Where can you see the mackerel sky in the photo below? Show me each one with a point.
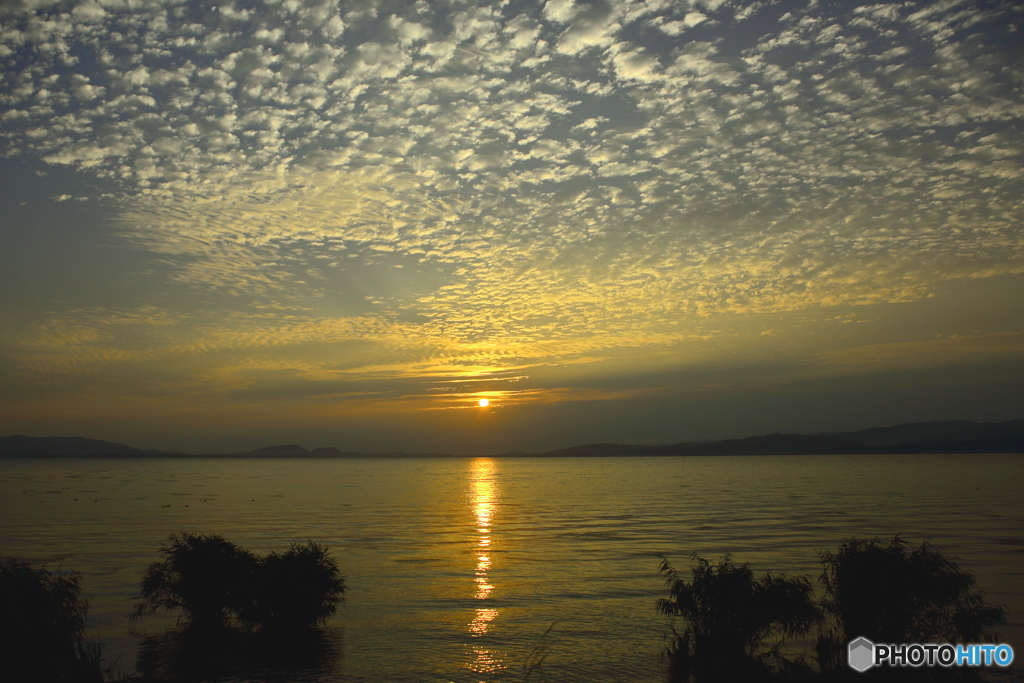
(343, 223)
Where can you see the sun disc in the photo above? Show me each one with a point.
(484, 403)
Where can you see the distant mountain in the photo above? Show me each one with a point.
(1009, 445)
(76, 446)
(294, 451)
(68, 445)
(772, 444)
(777, 444)
(289, 451)
(935, 432)
(955, 436)
(329, 452)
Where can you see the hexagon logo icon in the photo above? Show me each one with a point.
(861, 654)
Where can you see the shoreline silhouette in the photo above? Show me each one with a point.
(955, 436)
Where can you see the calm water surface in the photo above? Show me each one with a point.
(457, 567)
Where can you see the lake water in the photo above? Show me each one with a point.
(456, 567)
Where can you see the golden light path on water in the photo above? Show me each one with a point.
(483, 499)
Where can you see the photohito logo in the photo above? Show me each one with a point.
(862, 654)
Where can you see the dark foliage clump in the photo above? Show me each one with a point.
(885, 592)
(297, 589)
(42, 632)
(890, 594)
(735, 622)
(200, 576)
(211, 581)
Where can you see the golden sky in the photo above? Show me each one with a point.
(344, 223)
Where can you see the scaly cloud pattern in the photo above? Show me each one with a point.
(547, 179)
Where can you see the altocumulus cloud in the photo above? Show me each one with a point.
(554, 178)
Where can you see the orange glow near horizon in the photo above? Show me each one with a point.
(483, 499)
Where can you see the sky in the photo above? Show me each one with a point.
(229, 225)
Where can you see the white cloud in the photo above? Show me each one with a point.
(88, 11)
(376, 60)
(409, 31)
(694, 18)
(561, 11)
(585, 34)
(672, 28)
(637, 64)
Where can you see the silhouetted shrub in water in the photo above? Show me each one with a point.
(889, 594)
(730, 618)
(280, 600)
(884, 592)
(209, 580)
(297, 589)
(203, 577)
(42, 625)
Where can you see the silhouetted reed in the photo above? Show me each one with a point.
(533, 667)
(42, 627)
(735, 622)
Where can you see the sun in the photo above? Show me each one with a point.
(483, 403)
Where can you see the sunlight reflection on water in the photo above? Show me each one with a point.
(456, 567)
(483, 497)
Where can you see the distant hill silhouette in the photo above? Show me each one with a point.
(18, 445)
(954, 436)
(289, 451)
(935, 432)
(68, 446)
(329, 452)
(772, 444)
